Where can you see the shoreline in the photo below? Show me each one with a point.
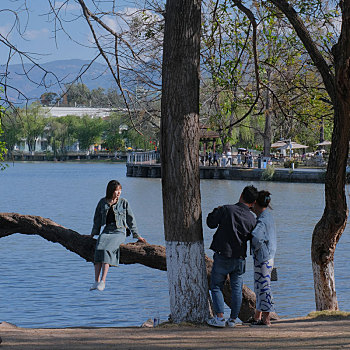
(331, 332)
(301, 175)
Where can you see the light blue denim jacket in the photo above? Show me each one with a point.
(124, 217)
(264, 240)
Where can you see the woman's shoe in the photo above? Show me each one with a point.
(250, 320)
(259, 323)
(94, 286)
(101, 286)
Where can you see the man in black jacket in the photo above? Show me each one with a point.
(234, 225)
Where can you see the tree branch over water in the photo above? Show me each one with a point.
(149, 255)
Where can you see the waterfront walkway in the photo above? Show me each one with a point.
(236, 173)
(301, 333)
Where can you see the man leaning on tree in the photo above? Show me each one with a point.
(234, 223)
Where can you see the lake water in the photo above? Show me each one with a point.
(44, 285)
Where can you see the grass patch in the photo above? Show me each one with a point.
(324, 315)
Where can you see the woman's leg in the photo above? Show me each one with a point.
(266, 317)
(105, 268)
(262, 289)
(98, 267)
(257, 315)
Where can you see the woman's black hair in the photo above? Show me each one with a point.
(111, 187)
(264, 199)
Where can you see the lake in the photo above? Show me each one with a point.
(44, 285)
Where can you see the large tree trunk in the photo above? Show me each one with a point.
(268, 119)
(332, 224)
(329, 229)
(179, 149)
(84, 245)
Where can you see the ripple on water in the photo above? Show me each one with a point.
(44, 285)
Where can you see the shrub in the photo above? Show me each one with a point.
(268, 173)
(288, 164)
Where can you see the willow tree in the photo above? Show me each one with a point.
(180, 162)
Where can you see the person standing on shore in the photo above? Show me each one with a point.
(115, 214)
(234, 224)
(264, 243)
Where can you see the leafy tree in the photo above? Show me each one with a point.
(114, 138)
(60, 133)
(98, 98)
(11, 131)
(88, 131)
(78, 94)
(32, 124)
(49, 98)
(3, 148)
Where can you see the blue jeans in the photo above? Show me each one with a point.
(235, 268)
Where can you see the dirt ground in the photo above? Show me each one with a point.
(301, 333)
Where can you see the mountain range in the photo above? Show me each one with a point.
(33, 81)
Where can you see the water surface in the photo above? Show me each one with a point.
(44, 285)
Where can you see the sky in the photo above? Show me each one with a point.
(38, 30)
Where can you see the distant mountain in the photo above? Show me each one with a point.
(46, 80)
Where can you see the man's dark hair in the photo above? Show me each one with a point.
(250, 194)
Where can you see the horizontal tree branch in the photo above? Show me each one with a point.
(149, 255)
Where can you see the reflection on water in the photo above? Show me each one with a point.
(44, 285)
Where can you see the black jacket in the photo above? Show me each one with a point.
(235, 224)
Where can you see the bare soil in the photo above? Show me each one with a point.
(301, 333)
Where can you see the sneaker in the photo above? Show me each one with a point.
(216, 322)
(259, 323)
(250, 320)
(94, 286)
(101, 286)
(230, 323)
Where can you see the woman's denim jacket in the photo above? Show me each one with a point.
(124, 217)
(264, 241)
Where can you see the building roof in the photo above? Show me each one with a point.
(206, 133)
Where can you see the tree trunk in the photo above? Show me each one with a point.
(152, 256)
(329, 229)
(180, 162)
(268, 130)
(332, 224)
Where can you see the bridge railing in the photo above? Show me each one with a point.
(149, 157)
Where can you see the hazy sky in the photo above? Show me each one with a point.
(38, 30)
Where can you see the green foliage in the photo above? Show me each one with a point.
(11, 131)
(32, 124)
(289, 164)
(292, 94)
(3, 149)
(268, 173)
(114, 132)
(80, 95)
(49, 98)
(60, 133)
(88, 131)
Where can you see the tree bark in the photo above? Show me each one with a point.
(332, 224)
(329, 229)
(268, 120)
(179, 149)
(152, 256)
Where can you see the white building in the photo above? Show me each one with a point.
(81, 111)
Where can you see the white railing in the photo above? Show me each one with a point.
(150, 157)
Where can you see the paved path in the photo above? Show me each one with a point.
(294, 334)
